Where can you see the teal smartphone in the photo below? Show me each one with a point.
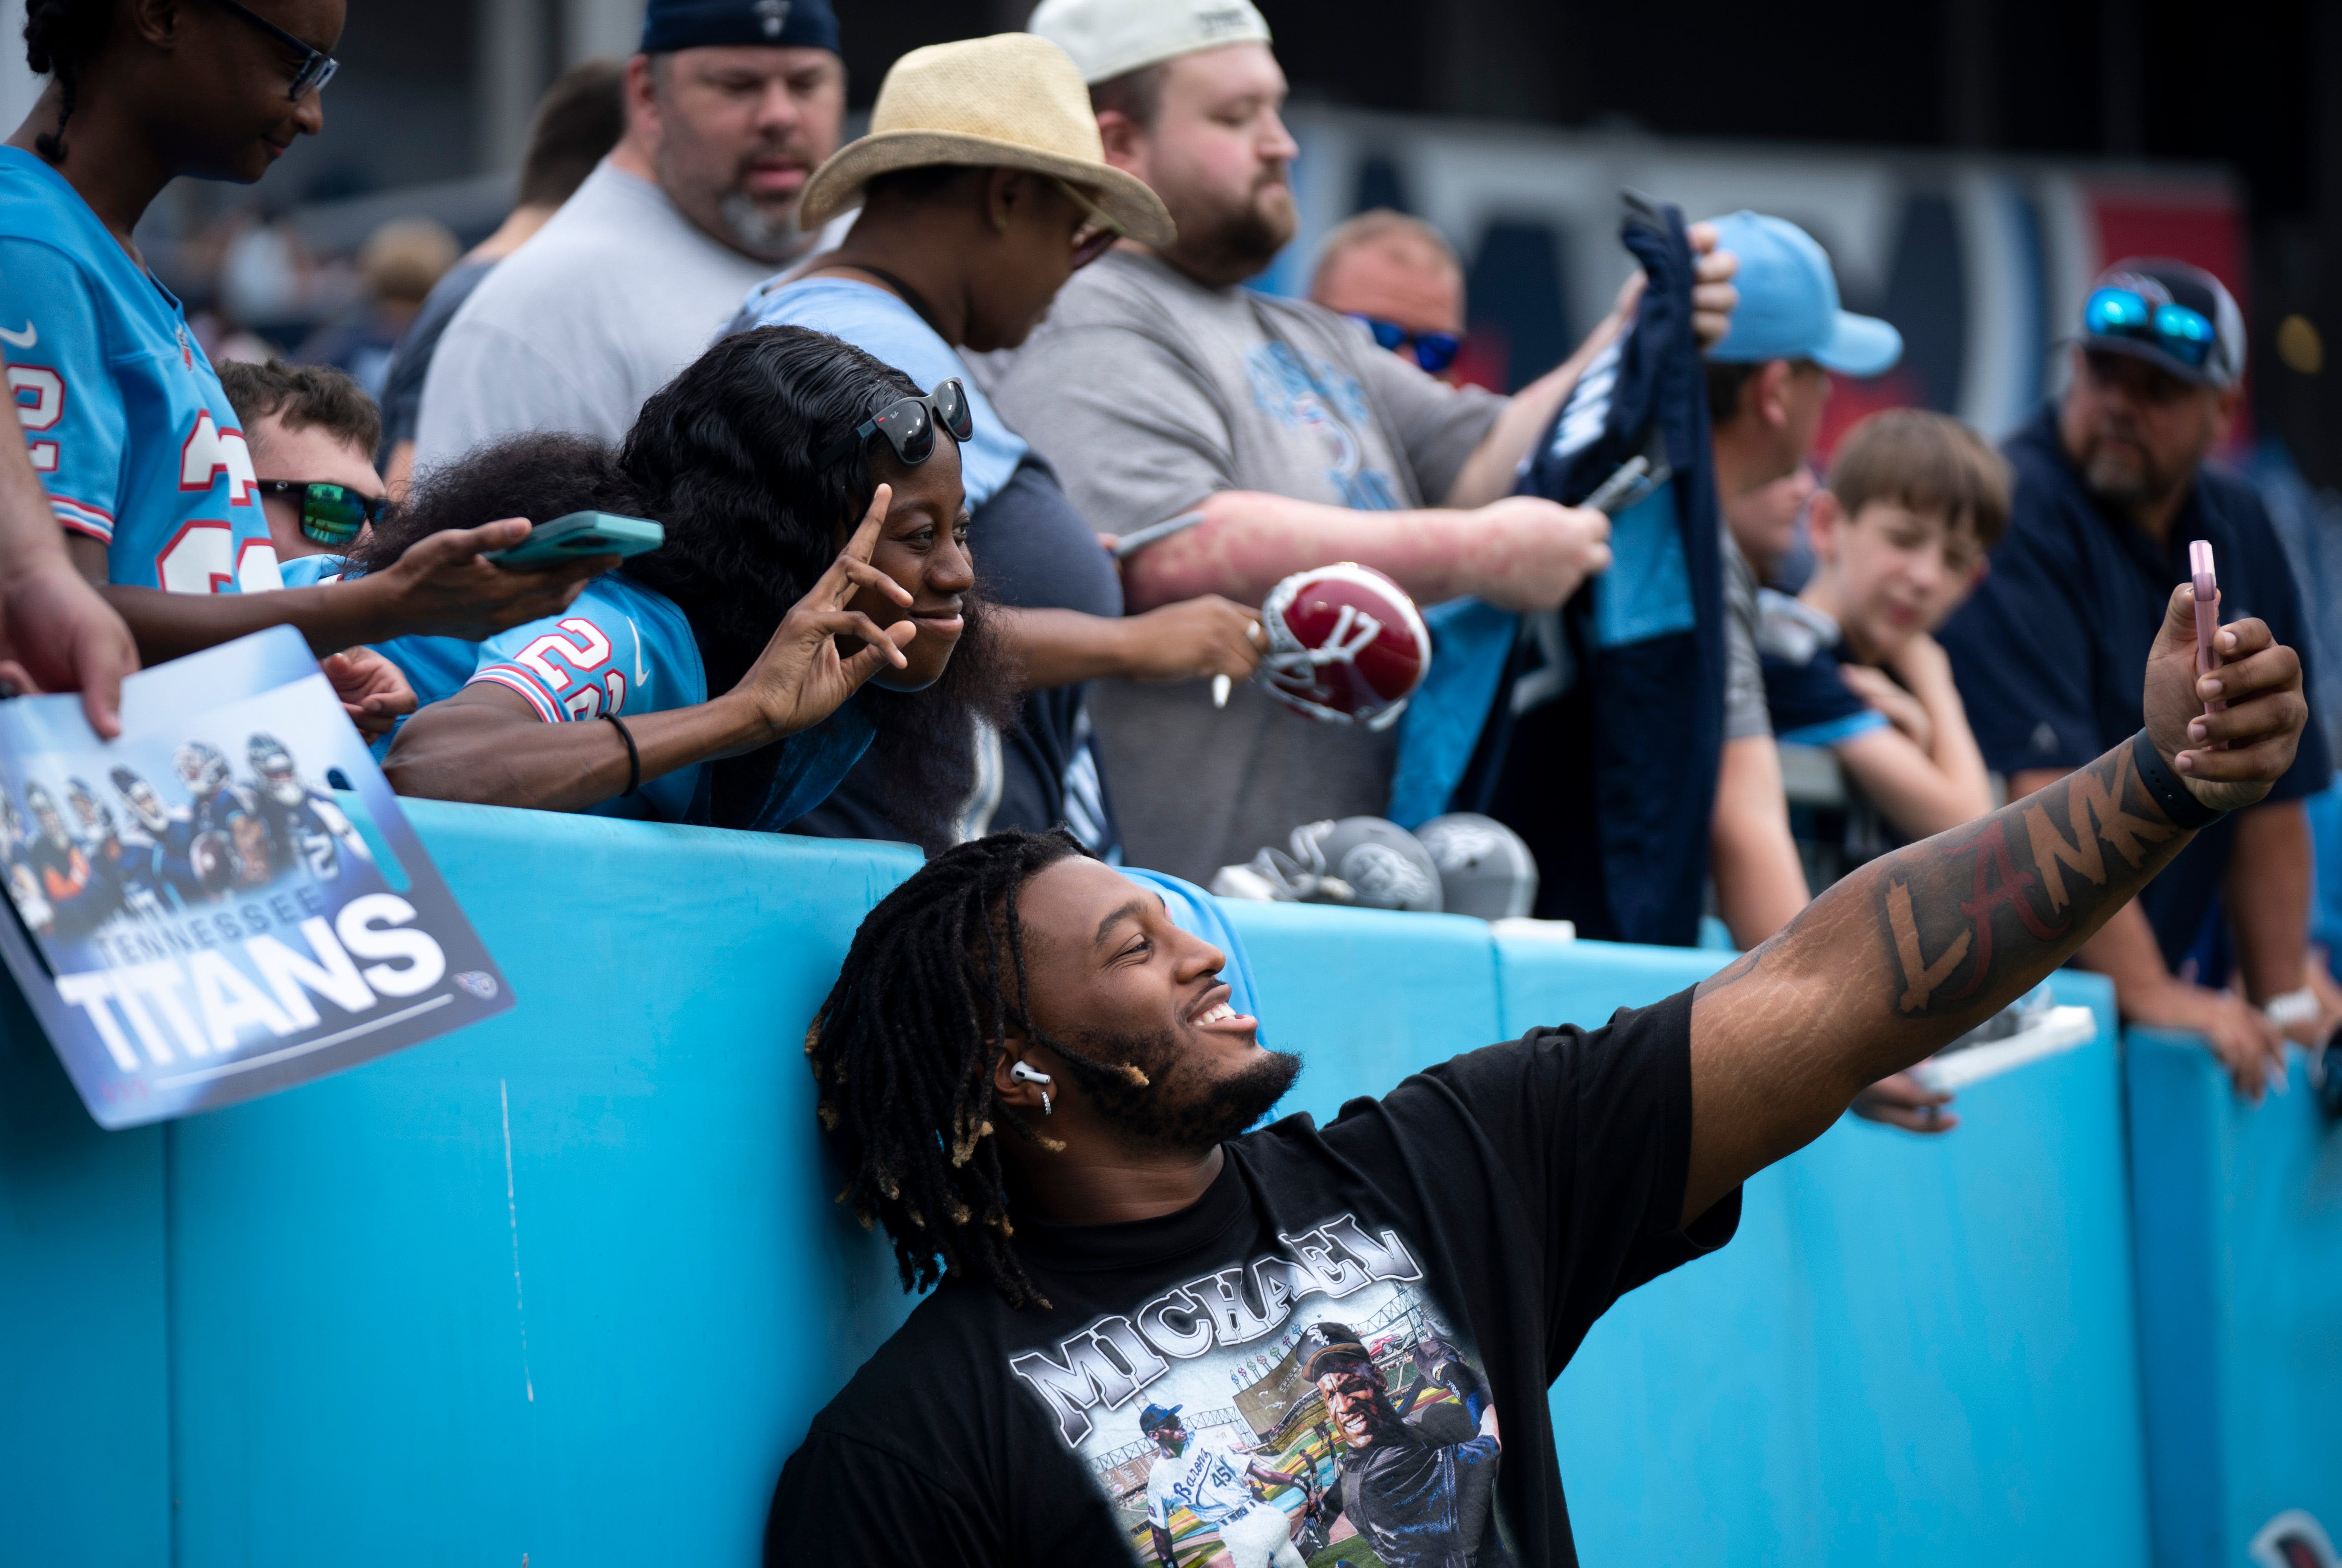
(581, 534)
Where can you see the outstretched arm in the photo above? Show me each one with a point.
(1920, 945)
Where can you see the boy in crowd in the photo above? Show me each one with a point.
(1913, 503)
(311, 430)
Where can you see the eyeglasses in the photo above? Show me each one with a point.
(1435, 350)
(909, 427)
(1095, 237)
(316, 68)
(2187, 335)
(330, 514)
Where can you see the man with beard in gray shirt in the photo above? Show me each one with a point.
(1159, 388)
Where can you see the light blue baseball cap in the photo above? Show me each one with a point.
(1789, 303)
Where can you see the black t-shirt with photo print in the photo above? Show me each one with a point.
(1458, 1236)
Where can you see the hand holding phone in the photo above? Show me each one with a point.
(581, 534)
(2207, 614)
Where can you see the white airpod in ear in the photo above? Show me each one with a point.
(1024, 1073)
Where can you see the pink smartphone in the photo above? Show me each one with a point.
(2208, 611)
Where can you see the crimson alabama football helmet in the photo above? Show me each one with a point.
(1345, 645)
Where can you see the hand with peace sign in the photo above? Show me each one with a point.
(804, 674)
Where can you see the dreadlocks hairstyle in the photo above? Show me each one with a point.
(61, 36)
(903, 1053)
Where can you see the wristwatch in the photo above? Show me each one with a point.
(2293, 1007)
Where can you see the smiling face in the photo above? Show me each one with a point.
(923, 545)
(735, 132)
(1109, 973)
(218, 88)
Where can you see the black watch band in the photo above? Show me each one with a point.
(2178, 801)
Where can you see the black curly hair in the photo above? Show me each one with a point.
(903, 1052)
(724, 456)
(62, 38)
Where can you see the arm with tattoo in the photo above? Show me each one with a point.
(1918, 946)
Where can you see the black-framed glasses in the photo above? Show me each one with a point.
(2187, 335)
(316, 68)
(1435, 350)
(330, 514)
(909, 425)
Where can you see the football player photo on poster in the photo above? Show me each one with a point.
(1333, 1417)
(226, 900)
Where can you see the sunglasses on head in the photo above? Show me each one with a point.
(1097, 236)
(909, 427)
(1435, 350)
(316, 68)
(330, 514)
(2187, 335)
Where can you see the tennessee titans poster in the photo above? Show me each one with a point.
(225, 901)
(1309, 1408)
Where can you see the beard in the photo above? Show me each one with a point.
(766, 236)
(1180, 1108)
(2121, 471)
(1227, 247)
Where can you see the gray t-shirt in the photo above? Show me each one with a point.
(1148, 391)
(580, 326)
(1744, 714)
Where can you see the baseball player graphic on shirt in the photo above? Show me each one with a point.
(1212, 1476)
(1421, 1496)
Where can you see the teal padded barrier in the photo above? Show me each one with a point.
(2239, 1218)
(570, 1286)
(1914, 1352)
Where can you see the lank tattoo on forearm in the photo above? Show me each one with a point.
(1945, 896)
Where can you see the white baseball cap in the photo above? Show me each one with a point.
(1109, 38)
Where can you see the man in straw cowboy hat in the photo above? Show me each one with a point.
(730, 105)
(1296, 438)
(984, 187)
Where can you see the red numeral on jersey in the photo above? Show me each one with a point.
(40, 397)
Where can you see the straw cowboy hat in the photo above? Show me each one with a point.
(1010, 101)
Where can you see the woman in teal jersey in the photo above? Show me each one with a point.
(134, 443)
(811, 544)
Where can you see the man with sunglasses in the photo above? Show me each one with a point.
(1399, 278)
(2113, 482)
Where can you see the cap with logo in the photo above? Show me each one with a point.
(2175, 317)
(1109, 38)
(1009, 101)
(1155, 1417)
(1324, 1341)
(672, 24)
(1788, 305)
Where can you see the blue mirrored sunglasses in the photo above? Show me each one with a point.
(2183, 334)
(1435, 350)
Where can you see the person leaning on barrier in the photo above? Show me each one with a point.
(133, 437)
(982, 189)
(1033, 1082)
(807, 554)
(1161, 388)
(2112, 485)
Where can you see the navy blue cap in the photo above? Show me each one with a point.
(672, 24)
